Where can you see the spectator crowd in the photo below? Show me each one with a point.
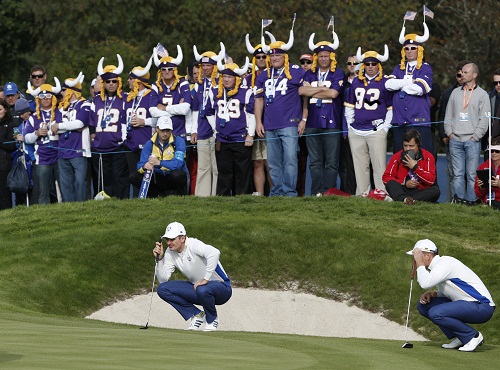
(251, 128)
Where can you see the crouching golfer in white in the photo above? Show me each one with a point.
(460, 298)
(208, 283)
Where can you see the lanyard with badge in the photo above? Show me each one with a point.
(134, 110)
(107, 112)
(45, 124)
(206, 90)
(225, 112)
(66, 116)
(464, 116)
(271, 86)
(321, 79)
(407, 77)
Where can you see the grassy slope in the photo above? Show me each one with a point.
(71, 259)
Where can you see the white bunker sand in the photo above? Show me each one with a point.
(255, 310)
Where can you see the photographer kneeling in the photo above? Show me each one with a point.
(410, 175)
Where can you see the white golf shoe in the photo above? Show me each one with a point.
(212, 326)
(197, 321)
(455, 343)
(473, 344)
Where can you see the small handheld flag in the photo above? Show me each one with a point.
(266, 22)
(161, 51)
(330, 24)
(410, 15)
(428, 13)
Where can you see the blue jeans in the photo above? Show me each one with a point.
(282, 148)
(451, 317)
(73, 176)
(47, 175)
(464, 162)
(182, 296)
(323, 146)
(449, 172)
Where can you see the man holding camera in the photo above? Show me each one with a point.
(410, 175)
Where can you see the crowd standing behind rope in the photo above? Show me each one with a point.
(232, 124)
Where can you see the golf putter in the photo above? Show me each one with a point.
(408, 344)
(152, 290)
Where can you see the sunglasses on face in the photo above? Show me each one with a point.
(410, 48)
(260, 57)
(352, 63)
(111, 81)
(167, 69)
(370, 64)
(36, 76)
(45, 96)
(459, 75)
(496, 82)
(305, 61)
(495, 151)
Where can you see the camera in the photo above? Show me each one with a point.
(411, 153)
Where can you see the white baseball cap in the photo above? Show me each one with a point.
(425, 245)
(173, 230)
(164, 123)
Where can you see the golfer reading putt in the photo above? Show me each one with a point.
(460, 298)
(208, 283)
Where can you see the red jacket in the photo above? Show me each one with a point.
(483, 193)
(425, 172)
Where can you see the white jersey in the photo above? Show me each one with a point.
(453, 280)
(197, 261)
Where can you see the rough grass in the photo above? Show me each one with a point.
(71, 259)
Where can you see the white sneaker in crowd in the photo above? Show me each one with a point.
(455, 343)
(473, 343)
(212, 326)
(197, 321)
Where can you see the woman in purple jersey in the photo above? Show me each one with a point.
(72, 121)
(39, 132)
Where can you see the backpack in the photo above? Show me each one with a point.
(18, 180)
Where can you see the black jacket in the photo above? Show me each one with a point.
(7, 144)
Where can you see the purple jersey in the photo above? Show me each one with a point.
(412, 109)
(370, 103)
(74, 142)
(45, 146)
(282, 102)
(108, 118)
(231, 115)
(202, 102)
(138, 136)
(181, 94)
(325, 113)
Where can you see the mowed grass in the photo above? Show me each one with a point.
(62, 262)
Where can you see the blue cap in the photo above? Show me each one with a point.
(10, 88)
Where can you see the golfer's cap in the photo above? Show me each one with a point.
(425, 245)
(164, 123)
(173, 230)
